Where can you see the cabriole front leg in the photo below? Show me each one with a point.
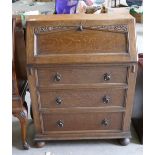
(22, 116)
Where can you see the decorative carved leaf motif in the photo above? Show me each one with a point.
(113, 28)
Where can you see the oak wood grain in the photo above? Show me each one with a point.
(73, 62)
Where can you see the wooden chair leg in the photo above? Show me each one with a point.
(22, 116)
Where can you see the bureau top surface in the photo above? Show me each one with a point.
(104, 38)
(87, 17)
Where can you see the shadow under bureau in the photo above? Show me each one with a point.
(81, 72)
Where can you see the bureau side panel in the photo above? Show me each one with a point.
(132, 74)
(34, 99)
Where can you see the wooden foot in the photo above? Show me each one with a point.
(124, 141)
(39, 144)
(22, 116)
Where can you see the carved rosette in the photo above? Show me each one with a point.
(22, 114)
(110, 28)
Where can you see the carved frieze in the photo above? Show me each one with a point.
(111, 28)
(44, 29)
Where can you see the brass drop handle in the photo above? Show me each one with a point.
(107, 77)
(105, 122)
(106, 99)
(58, 100)
(60, 123)
(57, 77)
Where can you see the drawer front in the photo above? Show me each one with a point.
(80, 75)
(82, 98)
(82, 121)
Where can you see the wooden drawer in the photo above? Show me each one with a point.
(82, 98)
(82, 121)
(80, 75)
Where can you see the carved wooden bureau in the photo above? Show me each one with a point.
(81, 72)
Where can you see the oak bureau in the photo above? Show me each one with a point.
(81, 72)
